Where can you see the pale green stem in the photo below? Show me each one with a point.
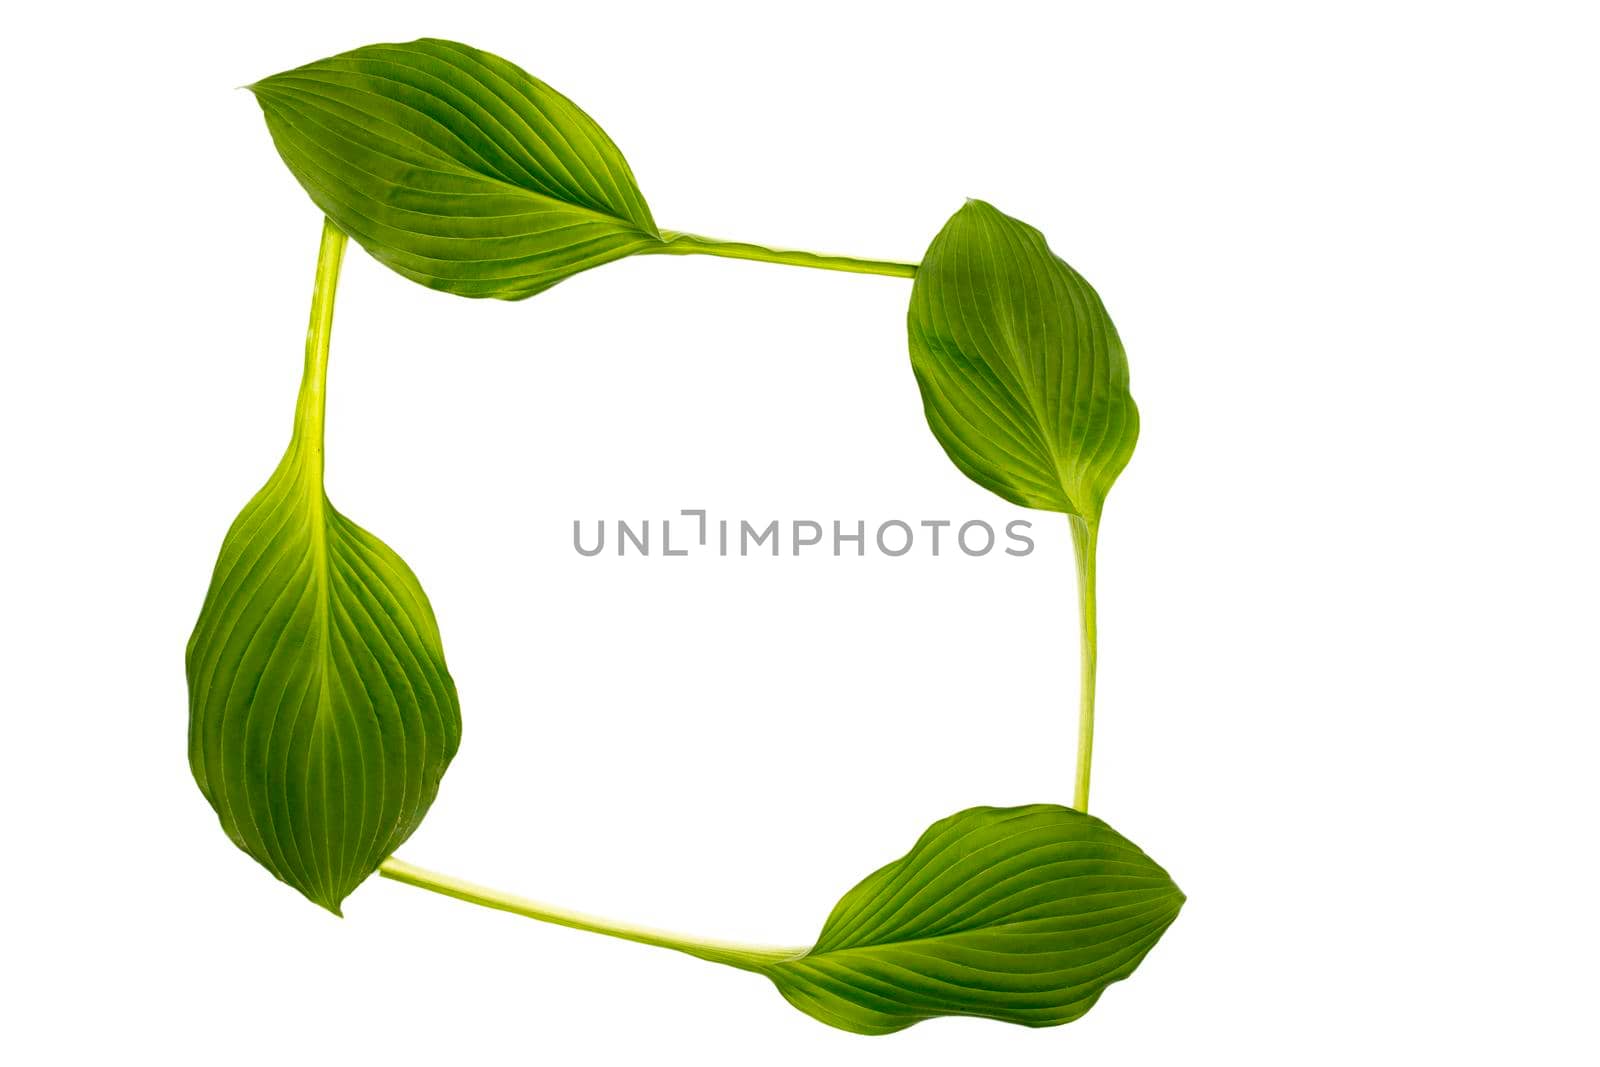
(1085, 532)
(311, 408)
(744, 957)
(688, 244)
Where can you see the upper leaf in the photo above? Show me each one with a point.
(1020, 914)
(321, 713)
(1023, 378)
(456, 168)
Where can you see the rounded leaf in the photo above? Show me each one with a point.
(456, 168)
(1023, 378)
(321, 713)
(1020, 914)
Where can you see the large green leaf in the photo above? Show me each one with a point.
(1023, 378)
(456, 168)
(321, 714)
(1021, 914)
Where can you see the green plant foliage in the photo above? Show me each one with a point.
(1025, 384)
(1020, 914)
(456, 168)
(321, 714)
(465, 173)
(1023, 378)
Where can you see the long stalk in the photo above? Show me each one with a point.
(685, 244)
(744, 957)
(311, 406)
(1085, 533)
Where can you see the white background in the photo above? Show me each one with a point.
(1348, 582)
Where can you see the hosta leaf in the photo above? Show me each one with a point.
(1023, 378)
(1021, 914)
(321, 714)
(456, 168)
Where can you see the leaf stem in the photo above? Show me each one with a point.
(686, 244)
(744, 957)
(1085, 534)
(311, 407)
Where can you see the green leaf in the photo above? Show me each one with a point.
(321, 713)
(1020, 914)
(456, 168)
(1023, 378)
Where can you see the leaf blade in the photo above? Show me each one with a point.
(1023, 377)
(321, 713)
(1019, 914)
(456, 168)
